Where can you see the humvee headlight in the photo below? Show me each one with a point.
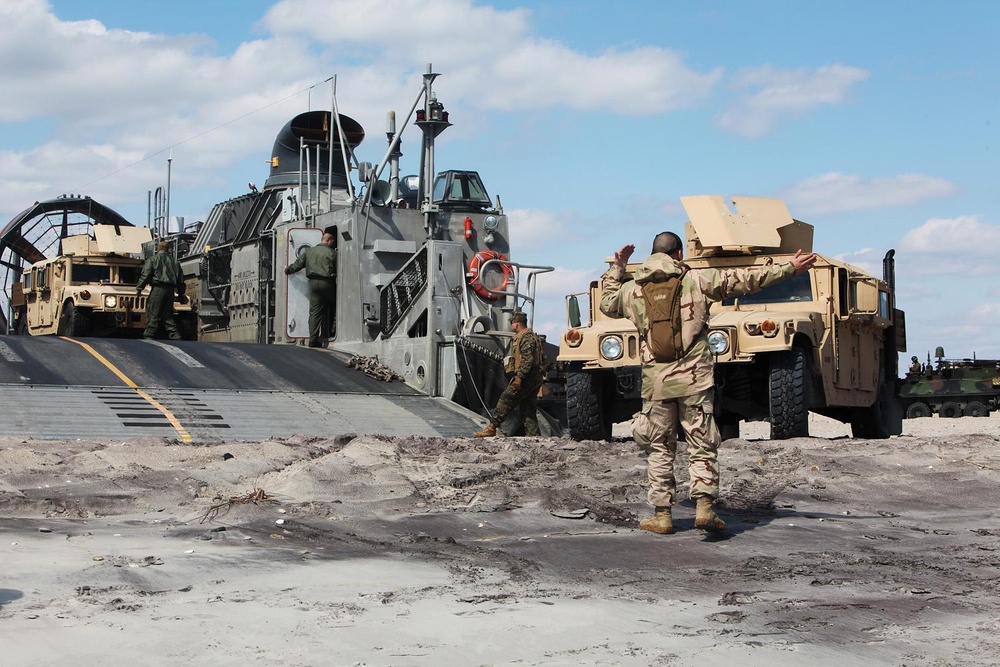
(110, 301)
(491, 223)
(718, 342)
(611, 348)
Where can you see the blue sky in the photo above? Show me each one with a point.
(877, 122)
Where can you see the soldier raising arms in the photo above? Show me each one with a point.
(681, 384)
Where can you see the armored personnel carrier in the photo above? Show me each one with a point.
(951, 387)
(825, 341)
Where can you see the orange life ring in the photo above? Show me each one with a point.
(475, 279)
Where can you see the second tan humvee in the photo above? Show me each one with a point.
(825, 341)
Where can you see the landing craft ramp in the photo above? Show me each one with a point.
(55, 388)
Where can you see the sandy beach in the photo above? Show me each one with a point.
(367, 550)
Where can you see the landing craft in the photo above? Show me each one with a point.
(425, 281)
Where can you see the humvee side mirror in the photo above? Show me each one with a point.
(573, 305)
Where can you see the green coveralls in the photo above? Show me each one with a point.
(320, 263)
(163, 273)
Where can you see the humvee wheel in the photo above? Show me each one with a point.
(918, 409)
(950, 410)
(872, 423)
(74, 321)
(585, 407)
(976, 409)
(788, 395)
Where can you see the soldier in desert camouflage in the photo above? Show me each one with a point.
(527, 366)
(682, 388)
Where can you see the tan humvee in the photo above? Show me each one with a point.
(825, 341)
(89, 289)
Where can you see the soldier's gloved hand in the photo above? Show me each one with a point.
(516, 382)
(138, 291)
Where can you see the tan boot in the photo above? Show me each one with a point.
(706, 518)
(488, 432)
(661, 522)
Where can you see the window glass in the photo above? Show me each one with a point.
(91, 273)
(129, 275)
(796, 288)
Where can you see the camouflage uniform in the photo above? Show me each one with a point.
(320, 263)
(682, 388)
(528, 365)
(164, 274)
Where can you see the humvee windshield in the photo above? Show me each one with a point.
(91, 273)
(796, 288)
(98, 273)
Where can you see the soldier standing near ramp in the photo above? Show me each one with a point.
(320, 263)
(677, 366)
(529, 374)
(164, 274)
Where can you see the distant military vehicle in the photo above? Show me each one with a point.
(825, 341)
(952, 387)
(88, 289)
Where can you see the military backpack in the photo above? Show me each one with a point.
(663, 310)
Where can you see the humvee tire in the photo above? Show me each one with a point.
(74, 321)
(789, 399)
(585, 407)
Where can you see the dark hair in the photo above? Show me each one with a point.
(667, 243)
(519, 316)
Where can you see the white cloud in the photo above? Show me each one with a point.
(868, 260)
(492, 57)
(987, 310)
(787, 92)
(943, 236)
(835, 192)
(533, 231)
(138, 94)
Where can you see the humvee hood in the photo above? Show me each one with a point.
(657, 267)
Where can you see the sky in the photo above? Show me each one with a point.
(876, 122)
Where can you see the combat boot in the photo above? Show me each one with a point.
(661, 522)
(488, 432)
(706, 518)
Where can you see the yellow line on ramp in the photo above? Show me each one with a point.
(184, 435)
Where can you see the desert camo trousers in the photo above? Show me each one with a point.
(524, 399)
(655, 429)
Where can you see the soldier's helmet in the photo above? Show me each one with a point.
(913, 358)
